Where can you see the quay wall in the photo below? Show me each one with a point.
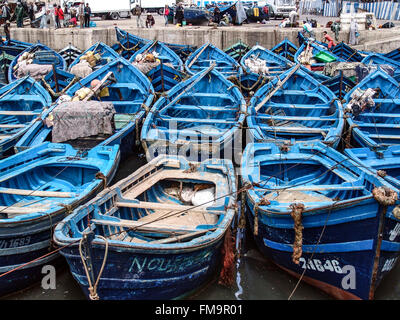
(222, 37)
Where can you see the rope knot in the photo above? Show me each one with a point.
(385, 196)
(296, 213)
(382, 173)
(100, 175)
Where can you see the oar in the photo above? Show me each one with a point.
(198, 55)
(95, 89)
(266, 99)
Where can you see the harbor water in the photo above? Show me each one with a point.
(257, 278)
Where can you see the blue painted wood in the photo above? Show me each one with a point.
(138, 266)
(195, 118)
(237, 50)
(339, 85)
(208, 54)
(127, 43)
(24, 96)
(275, 63)
(131, 93)
(347, 53)
(25, 234)
(164, 54)
(163, 77)
(286, 49)
(63, 80)
(52, 57)
(394, 55)
(378, 126)
(302, 109)
(341, 218)
(107, 55)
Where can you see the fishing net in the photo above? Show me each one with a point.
(81, 119)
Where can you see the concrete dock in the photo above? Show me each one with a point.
(381, 40)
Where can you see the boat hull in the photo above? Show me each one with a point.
(146, 274)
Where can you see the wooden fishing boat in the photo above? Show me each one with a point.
(163, 77)
(21, 104)
(320, 216)
(340, 85)
(237, 50)
(70, 53)
(182, 50)
(104, 53)
(379, 59)
(394, 54)
(208, 54)
(318, 57)
(8, 51)
(286, 49)
(297, 107)
(347, 53)
(162, 52)
(196, 119)
(57, 82)
(39, 187)
(158, 245)
(249, 83)
(128, 43)
(117, 83)
(273, 63)
(43, 55)
(373, 122)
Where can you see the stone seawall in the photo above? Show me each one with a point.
(222, 37)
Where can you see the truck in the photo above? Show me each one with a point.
(106, 9)
(281, 8)
(153, 5)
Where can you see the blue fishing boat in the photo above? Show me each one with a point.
(39, 187)
(103, 54)
(163, 77)
(21, 104)
(182, 50)
(196, 119)
(208, 54)
(340, 85)
(286, 49)
(379, 59)
(40, 55)
(70, 53)
(57, 82)
(320, 216)
(316, 56)
(295, 106)
(373, 111)
(272, 63)
(394, 54)
(156, 242)
(249, 83)
(237, 50)
(347, 53)
(161, 52)
(128, 43)
(118, 83)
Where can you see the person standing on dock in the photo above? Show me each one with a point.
(61, 16)
(82, 14)
(43, 20)
(166, 14)
(138, 14)
(31, 13)
(7, 27)
(19, 15)
(5, 12)
(56, 17)
(179, 14)
(88, 12)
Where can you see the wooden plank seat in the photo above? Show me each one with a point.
(37, 193)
